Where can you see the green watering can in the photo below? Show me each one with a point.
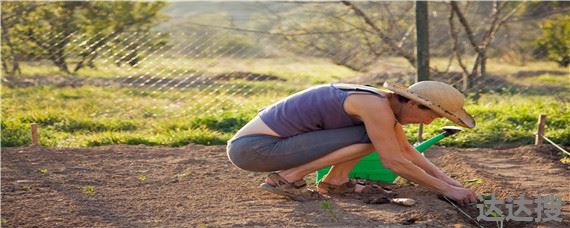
(370, 167)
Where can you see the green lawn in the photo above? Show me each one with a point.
(90, 115)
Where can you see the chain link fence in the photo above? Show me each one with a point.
(205, 70)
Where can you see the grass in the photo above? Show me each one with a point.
(507, 119)
(93, 116)
(497, 66)
(294, 69)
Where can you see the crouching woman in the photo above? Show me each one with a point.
(338, 124)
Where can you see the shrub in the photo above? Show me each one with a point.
(556, 40)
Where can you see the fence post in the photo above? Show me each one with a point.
(35, 136)
(422, 48)
(540, 129)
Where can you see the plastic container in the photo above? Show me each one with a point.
(370, 167)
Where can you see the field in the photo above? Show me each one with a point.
(116, 153)
(196, 186)
(89, 110)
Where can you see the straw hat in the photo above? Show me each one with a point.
(439, 97)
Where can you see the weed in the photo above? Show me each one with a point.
(89, 189)
(472, 182)
(4, 221)
(142, 178)
(327, 206)
(26, 187)
(43, 170)
(179, 177)
(493, 213)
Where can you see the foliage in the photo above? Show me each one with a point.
(504, 119)
(556, 40)
(41, 30)
(501, 118)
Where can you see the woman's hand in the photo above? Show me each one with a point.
(451, 181)
(461, 195)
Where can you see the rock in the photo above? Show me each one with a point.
(403, 201)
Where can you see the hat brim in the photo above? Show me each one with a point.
(461, 117)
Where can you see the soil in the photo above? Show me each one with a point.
(196, 186)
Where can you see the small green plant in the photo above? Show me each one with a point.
(89, 189)
(202, 225)
(327, 206)
(43, 170)
(26, 187)
(473, 181)
(493, 213)
(142, 178)
(180, 176)
(4, 221)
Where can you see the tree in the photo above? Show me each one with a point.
(14, 48)
(348, 35)
(39, 30)
(497, 19)
(556, 40)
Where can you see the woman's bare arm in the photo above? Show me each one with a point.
(379, 121)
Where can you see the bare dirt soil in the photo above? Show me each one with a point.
(196, 186)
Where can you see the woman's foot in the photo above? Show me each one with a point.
(296, 190)
(352, 186)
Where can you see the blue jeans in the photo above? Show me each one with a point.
(265, 153)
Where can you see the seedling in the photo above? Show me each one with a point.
(327, 206)
(26, 187)
(178, 177)
(142, 178)
(43, 170)
(493, 213)
(4, 221)
(473, 181)
(89, 190)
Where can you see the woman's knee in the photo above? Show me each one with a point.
(249, 156)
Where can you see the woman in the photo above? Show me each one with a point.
(337, 125)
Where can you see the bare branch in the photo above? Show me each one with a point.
(359, 28)
(406, 35)
(453, 34)
(304, 33)
(389, 41)
(466, 26)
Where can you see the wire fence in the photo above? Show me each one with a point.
(203, 69)
(207, 70)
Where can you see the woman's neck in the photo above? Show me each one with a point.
(395, 105)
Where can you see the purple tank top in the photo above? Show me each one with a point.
(316, 108)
